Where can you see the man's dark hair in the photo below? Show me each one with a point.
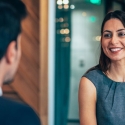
(11, 14)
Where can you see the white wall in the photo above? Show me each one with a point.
(51, 61)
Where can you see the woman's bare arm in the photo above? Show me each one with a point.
(87, 102)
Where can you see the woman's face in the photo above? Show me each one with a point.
(113, 40)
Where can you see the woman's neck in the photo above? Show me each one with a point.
(117, 72)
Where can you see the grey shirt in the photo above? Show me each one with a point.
(110, 105)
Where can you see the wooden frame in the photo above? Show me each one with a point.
(44, 61)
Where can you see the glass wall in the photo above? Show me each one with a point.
(85, 46)
(77, 48)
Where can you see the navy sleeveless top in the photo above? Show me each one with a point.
(110, 105)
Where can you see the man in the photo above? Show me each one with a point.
(12, 12)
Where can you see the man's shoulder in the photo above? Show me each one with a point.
(17, 113)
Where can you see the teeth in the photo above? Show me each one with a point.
(115, 49)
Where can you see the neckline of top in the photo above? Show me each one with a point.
(110, 78)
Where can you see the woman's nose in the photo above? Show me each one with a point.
(114, 39)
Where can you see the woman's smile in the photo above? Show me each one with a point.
(115, 49)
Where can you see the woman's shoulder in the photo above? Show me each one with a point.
(94, 74)
(94, 71)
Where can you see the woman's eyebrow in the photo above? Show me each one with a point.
(106, 31)
(120, 30)
(116, 31)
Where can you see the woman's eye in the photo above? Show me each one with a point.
(107, 35)
(121, 34)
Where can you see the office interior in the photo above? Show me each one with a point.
(60, 41)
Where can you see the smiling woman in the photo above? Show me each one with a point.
(113, 39)
(104, 85)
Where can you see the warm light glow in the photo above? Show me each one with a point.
(67, 39)
(98, 38)
(60, 7)
(66, 6)
(84, 14)
(62, 31)
(59, 2)
(65, 1)
(72, 6)
(66, 31)
(61, 19)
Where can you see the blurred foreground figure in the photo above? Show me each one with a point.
(12, 12)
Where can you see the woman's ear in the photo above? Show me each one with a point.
(11, 52)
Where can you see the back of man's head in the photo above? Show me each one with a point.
(11, 14)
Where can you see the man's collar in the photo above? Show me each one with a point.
(1, 92)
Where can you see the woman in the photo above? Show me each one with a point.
(102, 88)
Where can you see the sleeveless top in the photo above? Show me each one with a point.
(110, 105)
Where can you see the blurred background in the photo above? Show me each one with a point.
(60, 41)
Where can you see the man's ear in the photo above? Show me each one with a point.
(11, 52)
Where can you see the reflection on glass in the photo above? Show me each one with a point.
(86, 22)
(98, 38)
(92, 19)
(84, 14)
(66, 6)
(59, 2)
(65, 1)
(64, 31)
(67, 39)
(60, 7)
(72, 6)
(95, 1)
(61, 19)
